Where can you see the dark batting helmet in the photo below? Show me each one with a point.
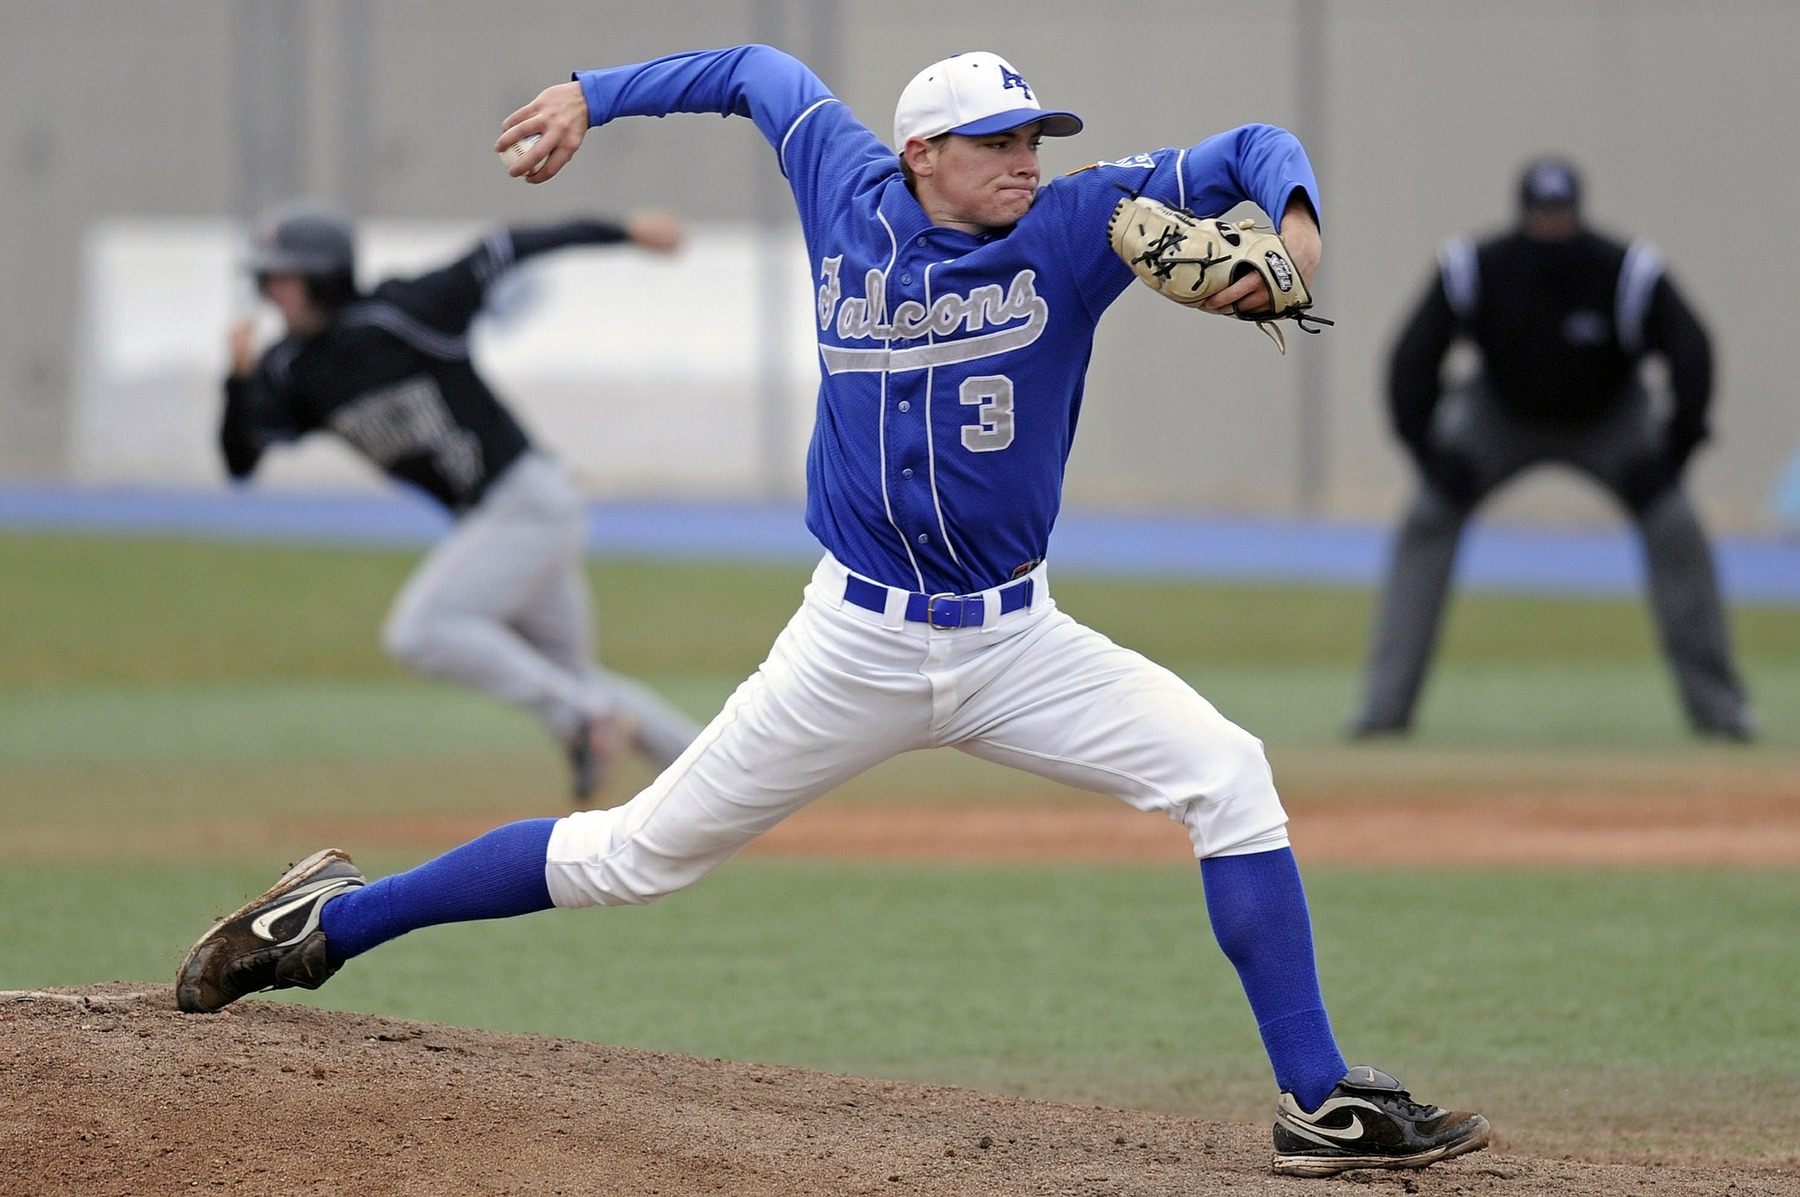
(310, 240)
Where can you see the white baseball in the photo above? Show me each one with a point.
(519, 150)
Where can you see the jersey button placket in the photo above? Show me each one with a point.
(909, 437)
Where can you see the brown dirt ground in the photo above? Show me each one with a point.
(1741, 830)
(110, 1091)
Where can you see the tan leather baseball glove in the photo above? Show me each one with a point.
(1189, 259)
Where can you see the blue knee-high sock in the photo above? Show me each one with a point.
(494, 876)
(1258, 911)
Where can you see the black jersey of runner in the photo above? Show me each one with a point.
(391, 375)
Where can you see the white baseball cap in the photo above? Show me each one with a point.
(972, 94)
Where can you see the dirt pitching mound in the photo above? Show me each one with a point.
(110, 1091)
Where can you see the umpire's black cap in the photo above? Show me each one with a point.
(1550, 183)
(302, 238)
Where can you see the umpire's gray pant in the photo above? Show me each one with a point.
(1684, 592)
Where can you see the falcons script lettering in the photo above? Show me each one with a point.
(865, 318)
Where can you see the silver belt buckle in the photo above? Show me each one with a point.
(931, 610)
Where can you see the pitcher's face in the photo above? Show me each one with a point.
(979, 183)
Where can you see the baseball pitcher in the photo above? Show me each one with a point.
(956, 301)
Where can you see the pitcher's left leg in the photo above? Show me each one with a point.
(1063, 701)
(1072, 705)
(1076, 707)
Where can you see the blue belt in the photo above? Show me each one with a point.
(938, 610)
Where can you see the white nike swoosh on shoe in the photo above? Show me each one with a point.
(1353, 1131)
(263, 925)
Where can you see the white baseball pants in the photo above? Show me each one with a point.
(845, 688)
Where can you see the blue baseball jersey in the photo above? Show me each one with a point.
(952, 364)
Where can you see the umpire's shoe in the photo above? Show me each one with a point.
(274, 942)
(1370, 1121)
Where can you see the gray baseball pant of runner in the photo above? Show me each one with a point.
(501, 604)
(1684, 591)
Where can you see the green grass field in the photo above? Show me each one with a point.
(173, 715)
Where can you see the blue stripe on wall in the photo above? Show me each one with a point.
(1239, 548)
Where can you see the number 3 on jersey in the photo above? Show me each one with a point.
(992, 396)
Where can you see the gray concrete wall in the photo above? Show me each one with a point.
(1417, 112)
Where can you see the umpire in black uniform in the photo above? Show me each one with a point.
(1562, 318)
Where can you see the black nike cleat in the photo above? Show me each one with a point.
(274, 942)
(1370, 1121)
